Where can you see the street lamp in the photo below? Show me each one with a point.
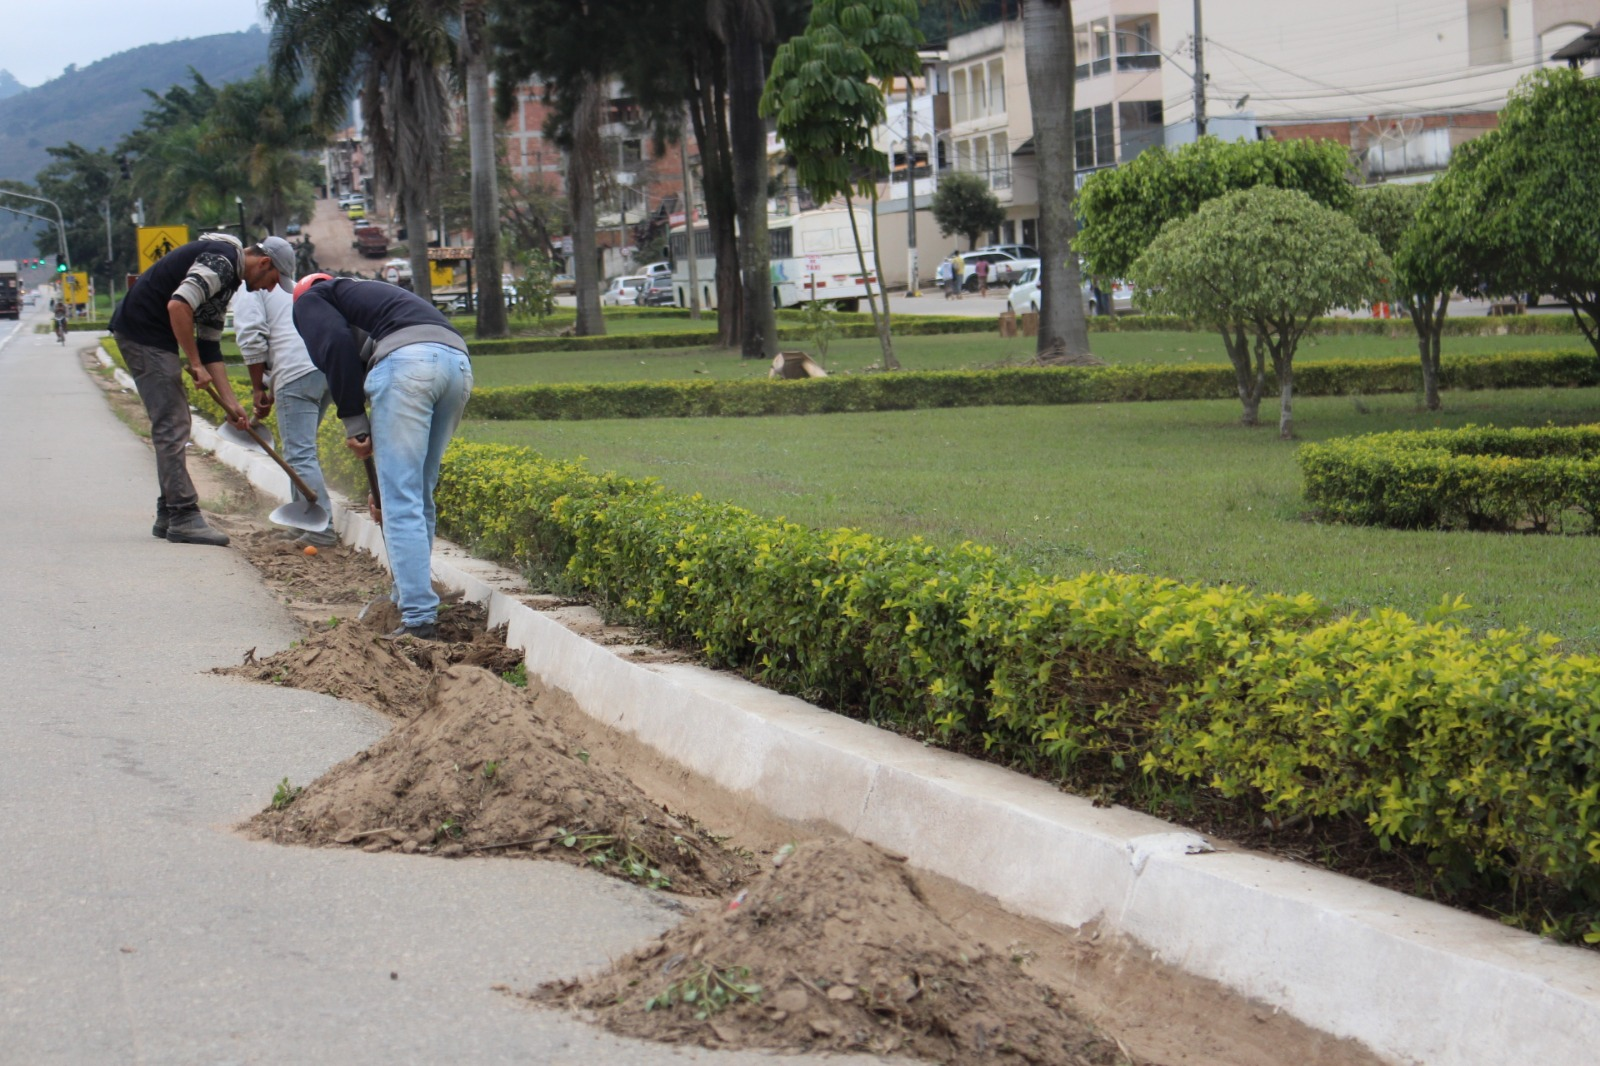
(61, 226)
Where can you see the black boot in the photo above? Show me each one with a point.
(163, 518)
(189, 527)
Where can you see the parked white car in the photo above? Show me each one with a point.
(1024, 297)
(624, 291)
(1004, 268)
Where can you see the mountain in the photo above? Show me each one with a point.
(96, 105)
(10, 86)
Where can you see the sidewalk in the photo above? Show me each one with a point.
(135, 926)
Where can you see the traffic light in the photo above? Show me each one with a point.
(61, 268)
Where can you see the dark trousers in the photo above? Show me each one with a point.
(159, 376)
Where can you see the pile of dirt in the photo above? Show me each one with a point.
(479, 769)
(836, 949)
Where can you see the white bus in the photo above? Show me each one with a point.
(813, 258)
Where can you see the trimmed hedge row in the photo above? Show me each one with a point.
(1543, 480)
(1483, 750)
(915, 390)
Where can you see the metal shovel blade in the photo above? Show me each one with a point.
(301, 514)
(234, 435)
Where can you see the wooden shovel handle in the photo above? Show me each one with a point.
(372, 480)
(305, 490)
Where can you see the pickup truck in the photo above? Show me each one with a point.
(371, 242)
(10, 290)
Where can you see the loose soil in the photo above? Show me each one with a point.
(851, 949)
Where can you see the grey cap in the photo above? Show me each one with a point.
(281, 252)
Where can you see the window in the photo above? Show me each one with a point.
(1000, 156)
(1093, 138)
(1102, 46)
(997, 87)
(958, 95)
(1030, 231)
(1105, 137)
(782, 242)
(1080, 35)
(980, 96)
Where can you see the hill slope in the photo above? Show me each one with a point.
(96, 105)
(9, 85)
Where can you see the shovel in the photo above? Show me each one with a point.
(304, 513)
(377, 503)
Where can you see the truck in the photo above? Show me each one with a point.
(371, 242)
(10, 290)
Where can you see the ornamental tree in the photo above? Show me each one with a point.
(1259, 265)
(964, 205)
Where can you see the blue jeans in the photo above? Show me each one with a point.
(417, 394)
(301, 404)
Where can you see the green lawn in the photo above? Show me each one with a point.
(1177, 489)
(942, 352)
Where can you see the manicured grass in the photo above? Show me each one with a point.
(617, 325)
(943, 352)
(1175, 489)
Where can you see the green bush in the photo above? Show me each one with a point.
(1485, 751)
(911, 390)
(1540, 480)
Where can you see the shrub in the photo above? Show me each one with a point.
(1543, 480)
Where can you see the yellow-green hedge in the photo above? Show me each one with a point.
(1478, 477)
(1485, 751)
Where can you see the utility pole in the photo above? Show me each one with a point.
(913, 287)
(688, 220)
(1199, 75)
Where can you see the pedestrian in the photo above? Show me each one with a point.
(958, 267)
(58, 311)
(170, 322)
(981, 268)
(944, 273)
(282, 374)
(412, 367)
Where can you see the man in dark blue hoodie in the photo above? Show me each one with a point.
(380, 343)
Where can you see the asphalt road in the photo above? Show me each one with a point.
(135, 925)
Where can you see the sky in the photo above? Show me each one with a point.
(39, 40)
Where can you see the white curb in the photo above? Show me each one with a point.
(1416, 982)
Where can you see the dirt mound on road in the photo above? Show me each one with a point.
(478, 769)
(836, 950)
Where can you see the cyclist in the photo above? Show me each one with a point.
(60, 311)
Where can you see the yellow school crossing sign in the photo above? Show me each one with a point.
(157, 241)
(75, 288)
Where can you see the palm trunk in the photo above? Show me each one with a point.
(1048, 56)
(581, 163)
(485, 189)
(748, 137)
(416, 213)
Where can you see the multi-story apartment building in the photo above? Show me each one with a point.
(1401, 82)
(990, 120)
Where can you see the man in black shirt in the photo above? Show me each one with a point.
(171, 321)
(383, 345)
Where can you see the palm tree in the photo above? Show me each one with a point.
(1048, 55)
(267, 127)
(485, 186)
(744, 26)
(395, 53)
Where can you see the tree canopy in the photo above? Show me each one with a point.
(1123, 208)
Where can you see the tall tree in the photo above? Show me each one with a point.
(743, 26)
(485, 185)
(396, 54)
(964, 205)
(825, 92)
(1048, 54)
